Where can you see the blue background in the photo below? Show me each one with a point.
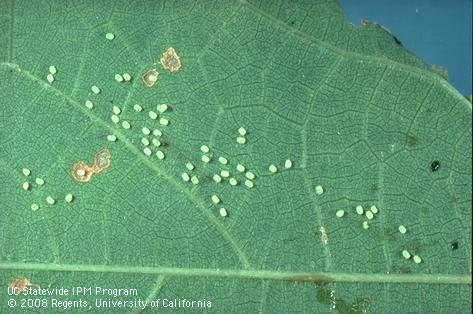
(438, 31)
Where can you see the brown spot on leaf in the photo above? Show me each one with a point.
(170, 60)
(312, 277)
(19, 284)
(102, 160)
(81, 172)
(150, 77)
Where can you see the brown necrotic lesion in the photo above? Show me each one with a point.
(170, 60)
(82, 173)
(150, 77)
(101, 160)
(20, 284)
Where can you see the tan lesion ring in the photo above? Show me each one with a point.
(82, 173)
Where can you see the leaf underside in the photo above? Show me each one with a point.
(354, 111)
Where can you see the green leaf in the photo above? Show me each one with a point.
(353, 110)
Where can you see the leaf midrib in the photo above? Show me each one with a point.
(307, 37)
(325, 277)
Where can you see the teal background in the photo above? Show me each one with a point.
(438, 31)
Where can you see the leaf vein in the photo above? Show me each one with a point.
(193, 198)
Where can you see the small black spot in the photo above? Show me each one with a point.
(292, 23)
(435, 165)
(397, 41)
(454, 245)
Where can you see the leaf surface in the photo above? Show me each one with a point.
(353, 110)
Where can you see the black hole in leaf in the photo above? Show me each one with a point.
(435, 165)
(454, 245)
